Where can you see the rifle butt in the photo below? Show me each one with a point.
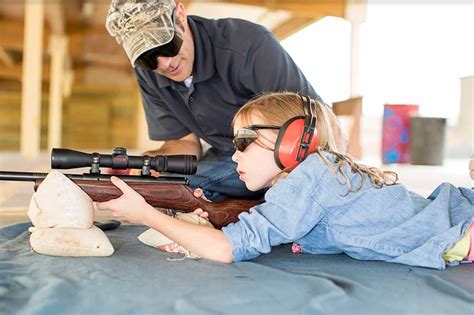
(227, 211)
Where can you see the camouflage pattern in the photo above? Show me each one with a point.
(141, 25)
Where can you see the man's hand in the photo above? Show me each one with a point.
(199, 193)
(130, 207)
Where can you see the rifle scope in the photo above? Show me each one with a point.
(66, 159)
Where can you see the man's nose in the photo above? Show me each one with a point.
(164, 62)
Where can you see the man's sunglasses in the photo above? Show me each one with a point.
(149, 59)
(245, 136)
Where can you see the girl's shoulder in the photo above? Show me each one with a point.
(311, 170)
(315, 162)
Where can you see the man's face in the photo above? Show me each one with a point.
(179, 67)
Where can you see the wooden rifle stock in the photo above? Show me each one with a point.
(170, 196)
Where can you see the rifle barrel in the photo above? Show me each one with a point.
(21, 176)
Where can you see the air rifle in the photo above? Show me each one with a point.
(169, 192)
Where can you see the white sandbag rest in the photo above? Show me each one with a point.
(63, 216)
(70, 242)
(59, 202)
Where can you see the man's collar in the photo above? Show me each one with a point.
(162, 81)
(204, 66)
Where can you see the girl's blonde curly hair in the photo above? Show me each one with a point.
(277, 108)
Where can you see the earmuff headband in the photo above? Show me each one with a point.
(308, 130)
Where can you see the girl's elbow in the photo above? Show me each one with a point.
(227, 260)
(225, 256)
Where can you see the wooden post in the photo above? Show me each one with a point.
(466, 111)
(31, 80)
(471, 169)
(58, 51)
(356, 11)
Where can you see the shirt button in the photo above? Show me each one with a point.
(191, 99)
(200, 116)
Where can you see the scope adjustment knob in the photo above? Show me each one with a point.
(120, 151)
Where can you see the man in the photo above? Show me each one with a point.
(194, 74)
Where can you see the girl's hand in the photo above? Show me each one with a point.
(203, 214)
(199, 193)
(130, 207)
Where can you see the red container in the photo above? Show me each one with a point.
(396, 132)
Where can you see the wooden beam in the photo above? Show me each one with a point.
(11, 72)
(356, 11)
(6, 58)
(9, 85)
(292, 25)
(11, 35)
(55, 17)
(16, 72)
(12, 32)
(307, 8)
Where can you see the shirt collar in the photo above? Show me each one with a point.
(204, 65)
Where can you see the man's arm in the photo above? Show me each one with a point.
(189, 144)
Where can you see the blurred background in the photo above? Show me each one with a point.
(64, 82)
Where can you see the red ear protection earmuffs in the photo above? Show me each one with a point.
(298, 137)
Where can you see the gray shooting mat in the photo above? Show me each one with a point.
(139, 279)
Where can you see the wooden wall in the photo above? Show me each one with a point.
(93, 118)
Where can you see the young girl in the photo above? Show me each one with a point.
(324, 204)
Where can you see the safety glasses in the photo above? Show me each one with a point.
(245, 136)
(149, 59)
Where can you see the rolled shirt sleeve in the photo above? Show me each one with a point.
(281, 219)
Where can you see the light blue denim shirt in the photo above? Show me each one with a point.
(312, 208)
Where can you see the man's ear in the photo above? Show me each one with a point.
(181, 13)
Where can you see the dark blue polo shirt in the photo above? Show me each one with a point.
(235, 60)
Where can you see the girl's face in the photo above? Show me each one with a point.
(256, 165)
